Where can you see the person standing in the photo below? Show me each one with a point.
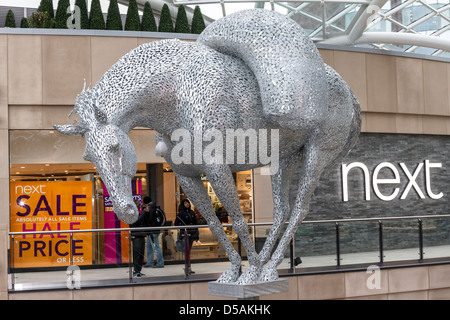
(138, 240)
(153, 238)
(186, 217)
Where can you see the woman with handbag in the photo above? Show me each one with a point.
(186, 217)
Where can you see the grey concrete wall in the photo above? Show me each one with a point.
(372, 150)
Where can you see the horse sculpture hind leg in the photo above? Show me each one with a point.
(330, 140)
(195, 190)
(314, 161)
(281, 182)
(222, 182)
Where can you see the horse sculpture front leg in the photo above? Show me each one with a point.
(196, 192)
(221, 180)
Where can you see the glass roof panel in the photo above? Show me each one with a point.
(307, 15)
(345, 17)
(327, 20)
(446, 13)
(421, 17)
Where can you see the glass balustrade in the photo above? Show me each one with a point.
(106, 257)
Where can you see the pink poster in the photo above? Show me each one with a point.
(117, 243)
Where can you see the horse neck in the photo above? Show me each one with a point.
(147, 111)
(150, 98)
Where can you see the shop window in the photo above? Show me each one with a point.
(52, 188)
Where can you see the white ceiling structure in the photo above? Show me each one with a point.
(416, 26)
(419, 26)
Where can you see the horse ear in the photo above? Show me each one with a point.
(70, 129)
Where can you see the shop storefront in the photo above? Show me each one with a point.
(47, 193)
(385, 175)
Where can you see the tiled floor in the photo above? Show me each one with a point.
(210, 270)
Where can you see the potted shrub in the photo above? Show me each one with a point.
(181, 22)
(198, 24)
(132, 21)
(165, 20)
(113, 19)
(10, 20)
(96, 19)
(148, 19)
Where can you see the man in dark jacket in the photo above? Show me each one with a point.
(138, 238)
(153, 237)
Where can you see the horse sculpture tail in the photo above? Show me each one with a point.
(286, 63)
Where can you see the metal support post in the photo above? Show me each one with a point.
(338, 247)
(420, 240)
(130, 254)
(380, 239)
(291, 256)
(186, 255)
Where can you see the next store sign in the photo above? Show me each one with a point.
(430, 169)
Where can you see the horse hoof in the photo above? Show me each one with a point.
(269, 274)
(249, 276)
(229, 276)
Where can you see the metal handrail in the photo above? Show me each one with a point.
(254, 224)
(436, 216)
(293, 259)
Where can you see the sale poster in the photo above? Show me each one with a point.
(117, 245)
(51, 206)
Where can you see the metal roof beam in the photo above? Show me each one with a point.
(177, 2)
(333, 20)
(361, 24)
(404, 39)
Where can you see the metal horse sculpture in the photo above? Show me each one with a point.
(251, 70)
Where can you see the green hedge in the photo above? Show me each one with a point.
(40, 20)
(113, 19)
(198, 24)
(62, 15)
(148, 19)
(24, 23)
(47, 6)
(10, 20)
(181, 23)
(84, 23)
(132, 22)
(96, 19)
(165, 20)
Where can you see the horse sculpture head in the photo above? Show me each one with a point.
(109, 148)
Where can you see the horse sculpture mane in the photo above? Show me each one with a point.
(253, 70)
